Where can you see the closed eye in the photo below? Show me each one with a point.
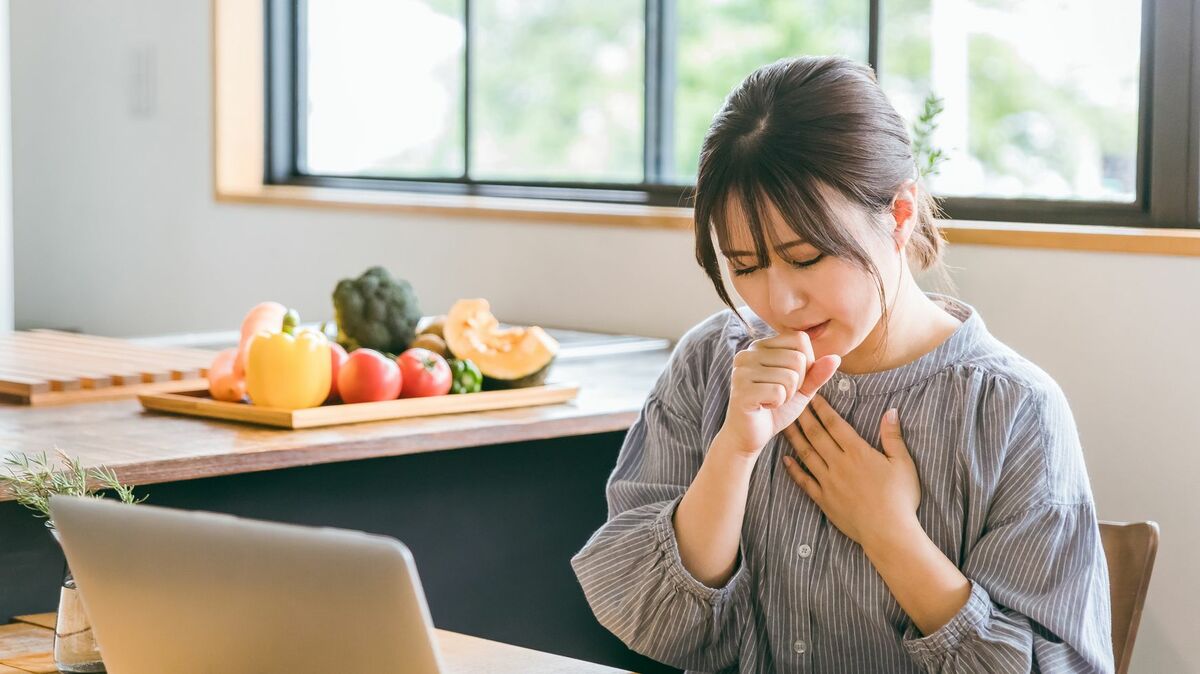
(799, 264)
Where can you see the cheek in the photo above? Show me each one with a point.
(852, 301)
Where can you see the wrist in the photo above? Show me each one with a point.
(893, 538)
(728, 445)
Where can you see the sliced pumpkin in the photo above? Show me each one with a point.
(512, 357)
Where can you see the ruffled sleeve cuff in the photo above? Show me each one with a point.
(973, 616)
(668, 544)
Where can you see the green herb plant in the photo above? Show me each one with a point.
(32, 480)
(927, 156)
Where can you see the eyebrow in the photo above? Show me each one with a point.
(778, 249)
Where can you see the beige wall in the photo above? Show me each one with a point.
(116, 233)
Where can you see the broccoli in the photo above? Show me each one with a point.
(376, 311)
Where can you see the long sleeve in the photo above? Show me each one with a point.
(1039, 580)
(630, 569)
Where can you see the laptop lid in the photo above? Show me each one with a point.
(180, 591)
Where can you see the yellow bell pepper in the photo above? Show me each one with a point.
(287, 370)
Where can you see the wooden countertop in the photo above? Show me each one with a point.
(147, 448)
(26, 646)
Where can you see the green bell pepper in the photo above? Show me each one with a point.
(465, 376)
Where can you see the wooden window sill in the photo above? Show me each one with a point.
(453, 205)
(1020, 235)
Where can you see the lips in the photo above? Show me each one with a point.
(816, 330)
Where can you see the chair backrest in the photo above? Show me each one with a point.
(1130, 548)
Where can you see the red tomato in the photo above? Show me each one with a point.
(424, 372)
(368, 376)
(338, 357)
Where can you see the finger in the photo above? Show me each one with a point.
(756, 395)
(762, 379)
(790, 377)
(893, 440)
(804, 450)
(796, 340)
(787, 359)
(760, 360)
(806, 345)
(817, 436)
(810, 486)
(838, 428)
(820, 373)
(755, 387)
(783, 355)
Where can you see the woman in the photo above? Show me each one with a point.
(753, 525)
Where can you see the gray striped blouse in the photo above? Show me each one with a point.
(1005, 495)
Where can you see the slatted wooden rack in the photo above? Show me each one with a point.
(43, 367)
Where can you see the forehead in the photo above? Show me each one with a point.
(737, 234)
(735, 231)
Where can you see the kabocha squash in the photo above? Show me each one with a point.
(513, 357)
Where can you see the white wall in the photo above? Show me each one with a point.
(6, 253)
(116, 233)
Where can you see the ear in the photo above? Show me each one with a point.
(903, 209)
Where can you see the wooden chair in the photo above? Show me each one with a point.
(1130, 548)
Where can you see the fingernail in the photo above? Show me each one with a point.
(892, 416)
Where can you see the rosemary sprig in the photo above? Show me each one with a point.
(32, 480)
(927, 156)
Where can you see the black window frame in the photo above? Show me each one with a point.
(1167, 181)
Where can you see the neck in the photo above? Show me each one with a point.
(916, 325)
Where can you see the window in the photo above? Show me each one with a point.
(383, 89)
(718, 42)
(1040, 97)
(1045, 104)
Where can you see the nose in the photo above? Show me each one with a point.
(784, 293)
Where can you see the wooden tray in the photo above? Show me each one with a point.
(199, 404)
(43, 367)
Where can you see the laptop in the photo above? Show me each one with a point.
(181, 591)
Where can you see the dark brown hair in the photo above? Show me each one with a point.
(787, 134)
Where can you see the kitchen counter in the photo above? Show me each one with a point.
(147, 448)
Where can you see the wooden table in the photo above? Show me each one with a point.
(147, 448)
(27, 645)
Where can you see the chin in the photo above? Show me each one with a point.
(822, 350)
(834, 342)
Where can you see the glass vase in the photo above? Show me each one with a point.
(75, 647)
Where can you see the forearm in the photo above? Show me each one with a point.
(926, 584)
(708, 521)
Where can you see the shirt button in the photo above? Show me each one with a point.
(844, 385)
(800, 647)
(805, 550)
